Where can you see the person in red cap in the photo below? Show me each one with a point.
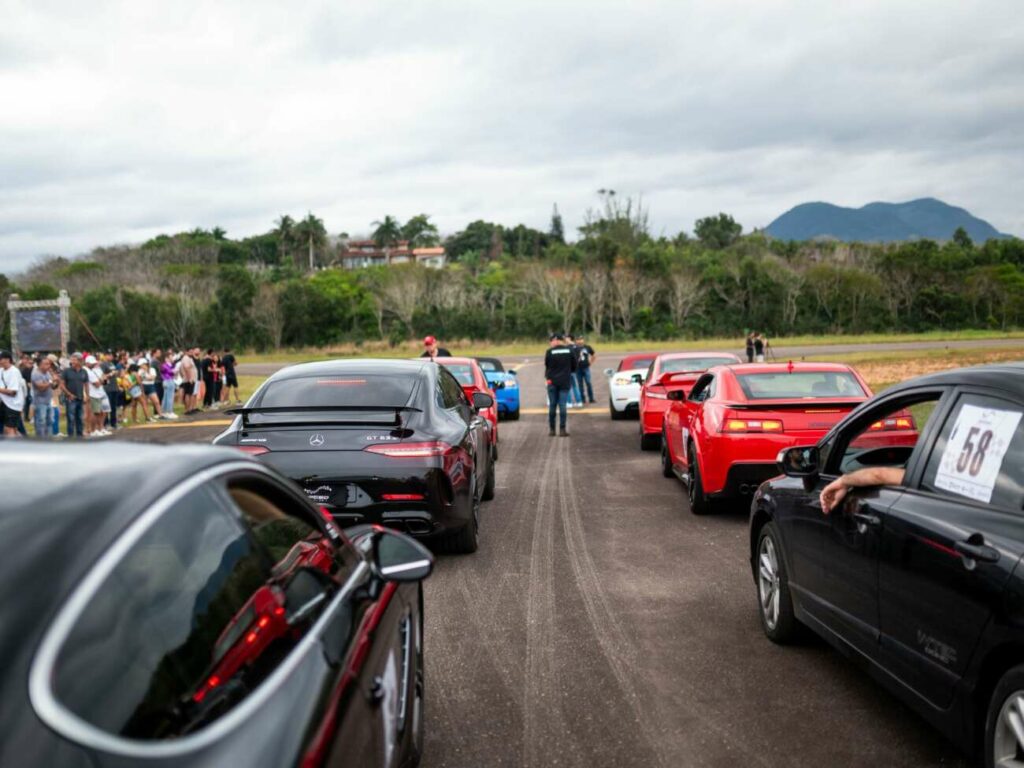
(432, 350)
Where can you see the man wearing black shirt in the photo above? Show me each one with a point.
(559, 367)
(227, 362)
(585, 356)
(74, 382)
(432, 350)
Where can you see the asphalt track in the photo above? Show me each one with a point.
(601, 624)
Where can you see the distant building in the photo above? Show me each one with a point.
(366, 253)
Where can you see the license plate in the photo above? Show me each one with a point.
(335, 494)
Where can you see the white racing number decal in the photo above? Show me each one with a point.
(389, 709)
(975, 450)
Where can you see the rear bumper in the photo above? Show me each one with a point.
(742, 480)
(624, 397)
(652, 417)
(508, 400)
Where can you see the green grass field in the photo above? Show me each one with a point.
(512, 349)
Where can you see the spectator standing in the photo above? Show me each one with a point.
(55, 397)
(25, 366)
(759, 345)
(750, 347)
(73, 384)
(433, 350)
(149, 376)
(97, 398)
(189, 373)
(575, 397)
(136, 396)
(206, 374)
(44, 381)
(559, 366)
(585, 356)
(12, 395)
(167, 376)
(111, 369)
(228, 363)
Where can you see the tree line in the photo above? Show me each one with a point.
(616, 280)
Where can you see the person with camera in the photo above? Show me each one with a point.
(559, 369)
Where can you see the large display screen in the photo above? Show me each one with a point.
(38, 329)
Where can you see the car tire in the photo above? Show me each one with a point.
(513, 415)
(616, 415)
(648, 442)
(666, 461)
(489, 485)
(700, 504)
(774, 600)
(464, 540)
(1006, 700)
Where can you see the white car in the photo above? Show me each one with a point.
(624, 384)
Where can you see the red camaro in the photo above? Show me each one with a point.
(671, 372)
(722, 439)
(468, 373)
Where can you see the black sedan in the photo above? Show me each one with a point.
(392, 442)
(190, 607)
(916, 572)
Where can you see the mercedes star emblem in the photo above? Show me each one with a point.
(317, 440)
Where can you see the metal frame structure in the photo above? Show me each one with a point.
(62, 302)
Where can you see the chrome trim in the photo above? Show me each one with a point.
(68, 724)
(393, 569)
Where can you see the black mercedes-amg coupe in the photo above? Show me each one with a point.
(189, 606)
(392, 442)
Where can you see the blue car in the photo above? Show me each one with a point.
(504, 384)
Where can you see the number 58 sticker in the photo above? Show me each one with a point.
(974, 452)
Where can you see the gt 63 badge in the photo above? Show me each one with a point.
(975, 450)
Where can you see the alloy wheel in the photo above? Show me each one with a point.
(768, 582)
(1008, 738)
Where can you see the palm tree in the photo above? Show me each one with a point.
(386, 234)
(219, 233)
(285, 231)
(311, 232)
(420, 231)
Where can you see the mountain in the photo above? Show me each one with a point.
(880, 222)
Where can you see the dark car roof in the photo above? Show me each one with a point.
(62, 506)
(359, 366)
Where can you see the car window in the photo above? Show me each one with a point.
(453, 395)
(799, 384)
(693, 364)
(889, 437)
(702, 390)
(153, 655)
(463, 372)
(979, 454)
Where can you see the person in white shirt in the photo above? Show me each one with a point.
(97, 398)
(12, 395)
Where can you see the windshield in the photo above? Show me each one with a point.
(635, 363)
(355, 390)
(491, 366)
(463, 373)
(693, 364)
(803, 385)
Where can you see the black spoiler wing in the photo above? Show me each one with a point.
(396, 421)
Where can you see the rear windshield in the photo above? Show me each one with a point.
(462, 373)
(492, 366)
(806, 384)
(359, 390)
(693, 364)
(635, 363)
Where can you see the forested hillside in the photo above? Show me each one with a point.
(614, 280)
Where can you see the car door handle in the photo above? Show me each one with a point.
(863, 518)
(977, 551)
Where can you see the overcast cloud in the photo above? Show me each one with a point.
(121, 121)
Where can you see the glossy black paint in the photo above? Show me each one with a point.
(358, 479)
(923, 588)
(74, 502)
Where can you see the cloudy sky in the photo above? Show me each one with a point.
(124, 120)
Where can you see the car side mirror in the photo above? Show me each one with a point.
(482, 400)
(637, 378)
(676, 394)
(513, 372)
(801, 461)
(609, 371)
(397, 557)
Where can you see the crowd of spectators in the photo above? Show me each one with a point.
(100, 392)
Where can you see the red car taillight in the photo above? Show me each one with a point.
(893, 423)
(253, 450)
(752, 425)
(402, 497)
(411, 450)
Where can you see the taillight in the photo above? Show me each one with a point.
(411, 450)
(402, 497)
(656, 395)
(893, 423)
(253, 450)
(325, 513)
(752, 425)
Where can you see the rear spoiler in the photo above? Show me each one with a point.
(809, 404)
(679, 377)
(398, 410)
